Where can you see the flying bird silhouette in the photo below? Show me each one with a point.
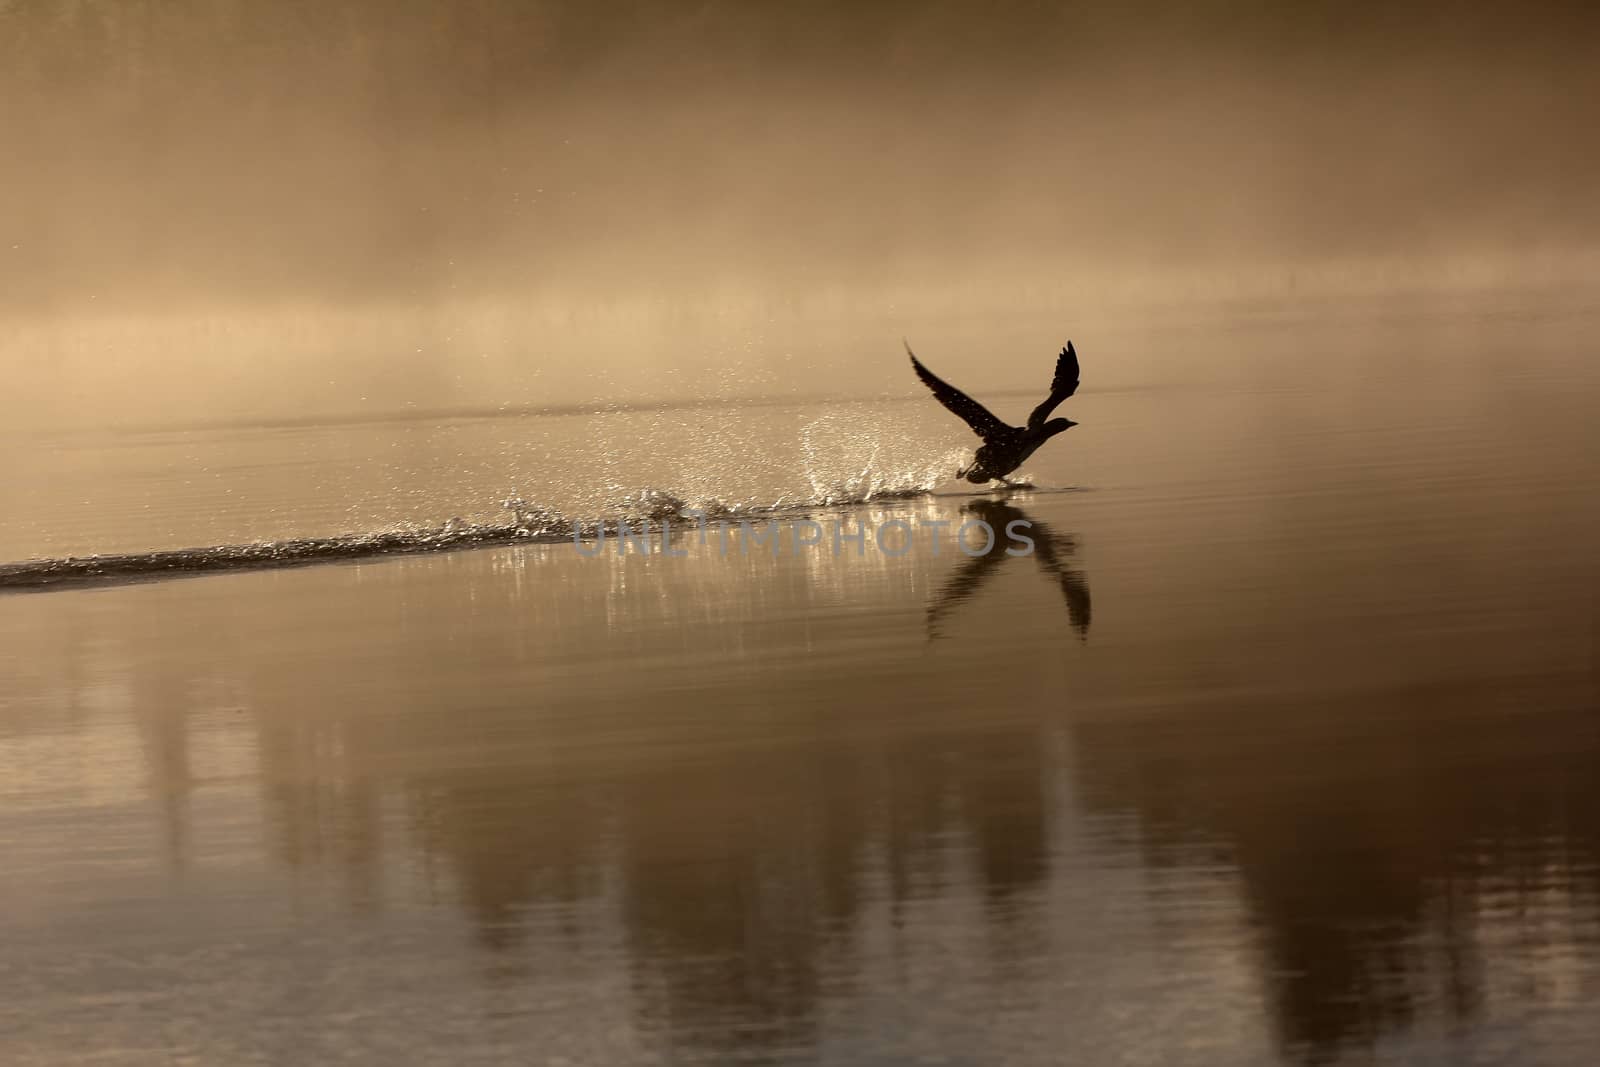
(1005, 448)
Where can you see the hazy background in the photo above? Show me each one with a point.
(1282, 753)
(220, 209)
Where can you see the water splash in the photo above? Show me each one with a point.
(535, 520)
(832, 446)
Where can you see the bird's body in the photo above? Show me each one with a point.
(1005, 447)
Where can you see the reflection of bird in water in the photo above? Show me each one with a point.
(1051, 551)
(1005, 448)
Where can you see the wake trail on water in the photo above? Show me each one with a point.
(654, 466)
(530, 524)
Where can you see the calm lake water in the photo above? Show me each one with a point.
(1280, 748)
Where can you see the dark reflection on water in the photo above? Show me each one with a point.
(1321, 786)
(739, 863)
(746, 832)
(1384, 847)
(1049, 549)
(742, 825)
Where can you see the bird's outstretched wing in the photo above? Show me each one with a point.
(1062, 386)
(974, 414)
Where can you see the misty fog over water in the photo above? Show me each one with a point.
(223, 209)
